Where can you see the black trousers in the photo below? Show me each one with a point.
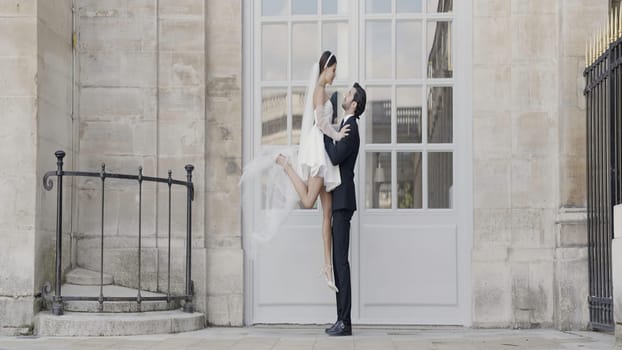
(341, 266)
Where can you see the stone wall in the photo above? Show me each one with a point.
(223, 162)
(143, 100)
(529, 260)
(54, 132)
(35, 100)
(18, 175)
(579, 20)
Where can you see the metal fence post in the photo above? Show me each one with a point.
(189, 290)
(57, 304)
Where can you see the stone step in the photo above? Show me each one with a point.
(106, 324)
(114, 306)
(86, 277)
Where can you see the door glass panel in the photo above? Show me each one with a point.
(378, 50)
(409, 107)
(336, 38)
(378, 6)
(274, 7)
(274, 52)
(334, 7)
(274, 116)
(304, 49)
(408, 49)
(298, 107)
(409, 182)
(440, 180)
(403, 6)
(378, 174)
(439, 49)
(440, 114)
(304, 7)
(378, 115)
(439, 6)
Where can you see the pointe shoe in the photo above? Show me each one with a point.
(327, 272)
(281, 160)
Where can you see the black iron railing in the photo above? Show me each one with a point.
(603, 93)
(58, 299)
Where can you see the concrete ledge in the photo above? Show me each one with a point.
(14, 331)
(102, 324)
(121, 306)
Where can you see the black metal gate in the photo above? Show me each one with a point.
(603, 94)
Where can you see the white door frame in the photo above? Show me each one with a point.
(463, 154)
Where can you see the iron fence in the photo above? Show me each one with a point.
(603, 93)
(58, 299)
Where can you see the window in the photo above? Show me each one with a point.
(401, 52)
(409, 78)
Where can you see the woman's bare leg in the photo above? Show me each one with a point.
(327, 237)
(309, 192)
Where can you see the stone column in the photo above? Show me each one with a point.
(35, 99)
(579, 20)
(54, 131)
(223, 162)
(18, 174)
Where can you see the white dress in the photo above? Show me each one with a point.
(312, 157)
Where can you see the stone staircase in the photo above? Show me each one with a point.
(118, 318)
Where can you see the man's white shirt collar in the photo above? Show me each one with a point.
(345, 119)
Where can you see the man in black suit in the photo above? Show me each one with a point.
(344, 154)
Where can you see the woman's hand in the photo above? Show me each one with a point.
(344, 131)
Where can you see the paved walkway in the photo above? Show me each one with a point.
(312, 337)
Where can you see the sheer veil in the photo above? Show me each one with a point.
(267, 192)
(308, 116)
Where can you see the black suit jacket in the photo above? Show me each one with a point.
(344, 153)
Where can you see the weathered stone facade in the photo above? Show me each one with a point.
(530, 256)
(35, 99)
(145, 99)
(159, 84)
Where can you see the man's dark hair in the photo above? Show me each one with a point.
(360, 97)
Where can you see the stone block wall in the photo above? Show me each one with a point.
(18, 175)
(54, 132)
(160, 86)
(225, 272)
(35, 100)
(530, 257)
(578, 21)
(132, 112)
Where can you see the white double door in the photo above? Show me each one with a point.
(404, 270)
(411, 236)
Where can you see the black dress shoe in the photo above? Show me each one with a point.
(332, 328)
(342, 329)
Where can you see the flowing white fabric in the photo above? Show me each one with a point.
(307, 114)
(266, 186)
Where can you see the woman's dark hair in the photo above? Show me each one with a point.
(333, 100)
(332, 61)
(360, 97)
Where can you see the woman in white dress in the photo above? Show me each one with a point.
(318, 176)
